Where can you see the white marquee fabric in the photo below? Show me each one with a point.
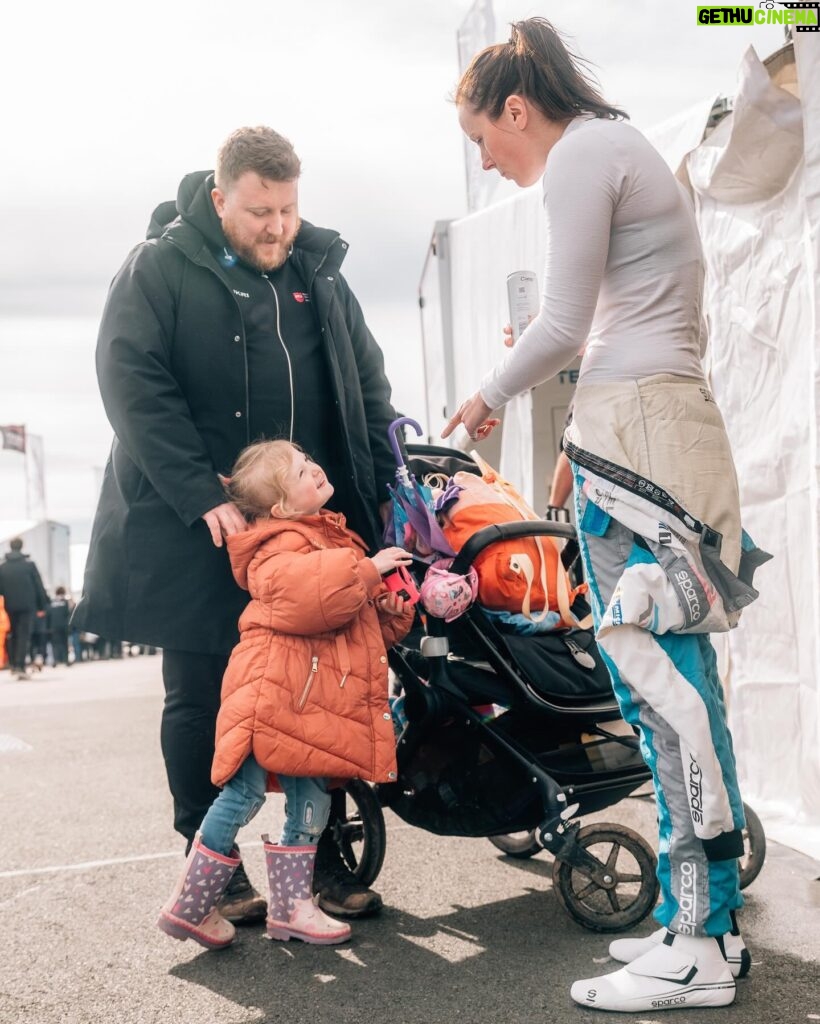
(756, 185)
(757, 194)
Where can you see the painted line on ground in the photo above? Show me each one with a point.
(9, 744)
(19, 895)
(90, 865)
(86, 865)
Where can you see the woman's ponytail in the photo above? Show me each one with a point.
(536, 64)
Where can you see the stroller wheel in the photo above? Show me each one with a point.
(754, 848)
(630, 861)
(521, 845)
(359, 830)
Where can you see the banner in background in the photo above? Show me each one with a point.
(35, 478)
(475, 33)
(14, 437)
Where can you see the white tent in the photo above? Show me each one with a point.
(756, 184)
(755, 179)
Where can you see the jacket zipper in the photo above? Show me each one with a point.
(314, 275)
(344, 658)
(287, 356)
(202, 263)
(314, 669)
(322, 262)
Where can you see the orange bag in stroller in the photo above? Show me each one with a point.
(517, 575)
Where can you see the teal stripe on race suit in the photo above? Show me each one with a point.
(697, 893)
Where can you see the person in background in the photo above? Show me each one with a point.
(624, 274)
(231, 323)
(58, 615)
(25, 596)
(304, 696)
(38, 642)
(560, 485)
(5, 629)
(75, 642)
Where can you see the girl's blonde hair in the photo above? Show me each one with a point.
(257, 480)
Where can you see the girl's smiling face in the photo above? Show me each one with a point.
(306, 486)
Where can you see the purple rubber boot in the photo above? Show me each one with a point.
(191, 912)
(293, 912)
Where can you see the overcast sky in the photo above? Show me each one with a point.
(107, 105)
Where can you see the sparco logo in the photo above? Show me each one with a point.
(688, 900)
(687, 586)
(658, 1004)
(695, 791)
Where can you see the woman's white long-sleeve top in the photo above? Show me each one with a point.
(623, 273)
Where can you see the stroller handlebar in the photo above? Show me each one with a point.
(508, 531)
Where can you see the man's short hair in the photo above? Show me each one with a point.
(16, 543)
(260, 149)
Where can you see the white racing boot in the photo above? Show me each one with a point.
(734, 949)
(681, 971)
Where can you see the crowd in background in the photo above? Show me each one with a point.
(35, 627)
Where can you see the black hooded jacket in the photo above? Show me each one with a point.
(175, 377)
(21, 586)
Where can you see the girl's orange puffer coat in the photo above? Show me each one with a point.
(305, 690)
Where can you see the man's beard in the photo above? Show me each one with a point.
(248, 253)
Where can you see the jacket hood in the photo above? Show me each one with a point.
(15, 556)
(193, 205)
(325, 526)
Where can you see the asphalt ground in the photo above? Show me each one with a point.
(467, 935)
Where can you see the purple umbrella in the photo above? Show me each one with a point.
(413, 524)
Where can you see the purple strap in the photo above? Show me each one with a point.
(447, 497)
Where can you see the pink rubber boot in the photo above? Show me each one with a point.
(293, 912)
(190, 912)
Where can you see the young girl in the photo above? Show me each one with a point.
(304, 697)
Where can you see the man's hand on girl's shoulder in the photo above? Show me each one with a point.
(224, 520)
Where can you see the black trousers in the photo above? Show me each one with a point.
(193, 683)
(59, 646)
(21, 626)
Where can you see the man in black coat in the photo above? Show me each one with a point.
(58, 615)
(231, 323)
(24, 595)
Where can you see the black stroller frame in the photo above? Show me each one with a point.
(550, 756)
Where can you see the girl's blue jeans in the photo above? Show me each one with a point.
(307, 807)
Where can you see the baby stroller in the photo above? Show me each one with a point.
(514, 738)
